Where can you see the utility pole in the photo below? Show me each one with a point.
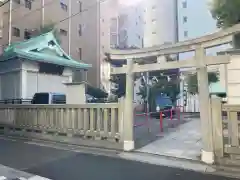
(98, 43)
(147, 98)
(43, 14)
(69, 26)
(10, 23)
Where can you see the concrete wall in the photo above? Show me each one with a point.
(10, 79)
(33, 81)
(230, 78)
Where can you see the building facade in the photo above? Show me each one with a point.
(190, 14)
(80, 25)
(160, 22)
(130, 26)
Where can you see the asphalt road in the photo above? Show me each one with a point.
(60, 164)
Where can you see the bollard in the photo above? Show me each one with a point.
(161, 122)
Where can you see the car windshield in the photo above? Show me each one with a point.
(163, 101)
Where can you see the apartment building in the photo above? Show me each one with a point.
(130, 26)
(83, 26)
(194, 20)
(160, 22)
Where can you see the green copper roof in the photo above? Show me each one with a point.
(43, 48)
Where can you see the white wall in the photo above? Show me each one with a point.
(160, 22)
(37, 82)
(10, 79)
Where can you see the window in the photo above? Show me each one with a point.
(154, 7)
(154, 20)
(185, 33)
(80, 30)
(48, 68)
(17, 1)
(185, 19)
(184, 4)
(59, 99)
(153, 32)
(80, 53)
(63, 32)
(80, 6)
(16, 32)
(28, 4)
(102, 33)
(27, 34)
(64, 6)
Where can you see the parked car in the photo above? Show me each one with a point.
(49, 98)
(164, 104)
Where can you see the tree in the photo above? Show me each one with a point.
(192, 82)
(120, 82)
(167, 83)
(226, 12)
(118, 79)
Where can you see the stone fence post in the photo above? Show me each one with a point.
(217, 125)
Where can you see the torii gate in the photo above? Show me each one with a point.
(200, 61)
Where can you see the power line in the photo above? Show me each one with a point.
(32, 11)
(58, 22)
(62, 20)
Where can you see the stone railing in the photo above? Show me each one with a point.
(226, 122)
(88, 124)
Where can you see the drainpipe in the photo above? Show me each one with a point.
(43, 14)
(98, 44)
(10, 23)
(69, 26)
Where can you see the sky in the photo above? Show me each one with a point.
(129, 2)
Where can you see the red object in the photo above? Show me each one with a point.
(161, 121)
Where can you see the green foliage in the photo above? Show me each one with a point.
(226, 12)
(192, 81)
(168, 85)
(165, 85)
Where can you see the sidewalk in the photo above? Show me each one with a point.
(7, 173)
(184, 142)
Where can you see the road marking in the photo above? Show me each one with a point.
(7, 139)
(2, 178)
(38, 178)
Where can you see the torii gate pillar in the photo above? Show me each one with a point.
(128, 136)
(207, 154)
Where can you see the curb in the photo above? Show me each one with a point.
(181, 163)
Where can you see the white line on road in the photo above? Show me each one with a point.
(7, 139)
(2, 178)
(38, 178)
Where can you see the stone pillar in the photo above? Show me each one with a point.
(128, 138)
(23, 84)
(207, 155)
